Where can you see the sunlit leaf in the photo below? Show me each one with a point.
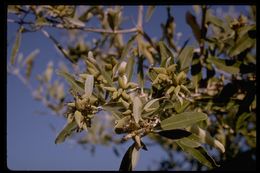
(185, 57)
(79, 120)
(16, 45)
(191, 141)
(165, 53)
(116, 108)
(48, 72)
(66, 131)
(242, 44)
(174, 134)
(89, 84)
(212, 19)
(182, 120)
(152, 105)
(137, 108)
(75, 22)
(29, 61)
(222, 65)
(200, 154)
(149, 13)
(75, 85)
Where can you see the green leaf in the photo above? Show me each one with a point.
(185, 57)
(182, 120)
(215, 20)
(221, 65)
(130, 68)
(191, 20)
(200, 154)
(116, 108)
(66, 131)
(174, 134)
(165, 53)
(140, 72)
(127, 48)
(137, 108)
(130, 159)
(105, 74)
(181, 107)
(16, 45)
(242, 120)
(89, 84)
(191, 141)
(241, 44)
(152, 105)
(75, 85)
(205, 137)
(149, 13)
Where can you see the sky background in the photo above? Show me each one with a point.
(30, 139)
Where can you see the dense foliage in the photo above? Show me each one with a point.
(183, 98)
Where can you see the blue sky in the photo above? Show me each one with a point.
(30, 140)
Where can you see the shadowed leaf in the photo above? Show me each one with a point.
(191, 20)
(130, 159)
(174, 134)
(200, 154)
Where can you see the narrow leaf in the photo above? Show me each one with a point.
(116, 108)
(200, 154)
(151, 105)
(222, 65)
(29, 61)
(137, 108)
(16, 45)
(242, 44)
(66, 131)
(191, 141)
(164, 53)
(127, 48)
(89, 84)
(242, 120)
(75, 22)
(191, 20)
(128, 159)
(174, 134)
(130, 68)
(149, 13)
(140, 72)
(185, 57)
(75, 85)
(205, 137)
(182, 120)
